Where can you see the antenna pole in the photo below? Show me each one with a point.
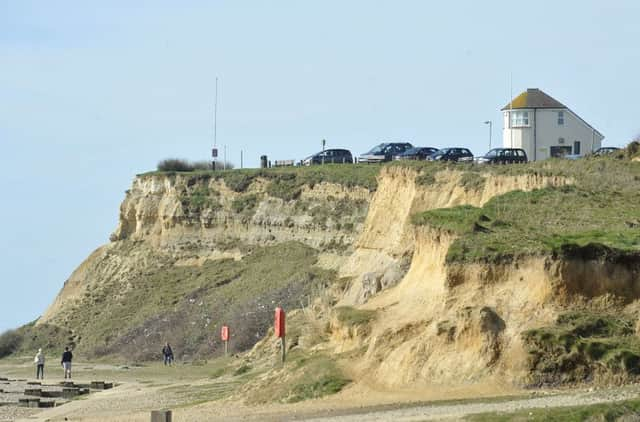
(215, 117)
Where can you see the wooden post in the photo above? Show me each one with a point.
(161, 416)
(282, 346)
(226, 348)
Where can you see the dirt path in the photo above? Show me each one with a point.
(460, 410)
(194, 398)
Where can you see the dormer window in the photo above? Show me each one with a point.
(519, 119)
(560, 118)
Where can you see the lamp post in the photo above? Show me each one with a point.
(488, 122)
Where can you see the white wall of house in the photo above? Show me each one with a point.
(543, 133)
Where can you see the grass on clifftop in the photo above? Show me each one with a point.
(287, 182)
(602, 211)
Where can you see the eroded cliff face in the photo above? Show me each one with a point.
(165, 210)
(219, 255)
(440, 322)
(388, 238)
(190, 254)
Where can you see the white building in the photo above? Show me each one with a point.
(544, 127)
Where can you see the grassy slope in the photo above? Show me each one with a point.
(602, 208)
(186, 305)
(580, 345)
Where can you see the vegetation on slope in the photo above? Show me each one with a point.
(28, 339)
(308, 376)
(601, 212)
(187, 304)
(581, 345)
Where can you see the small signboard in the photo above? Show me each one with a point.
(224, 333)
(214, 152)
(279, 322)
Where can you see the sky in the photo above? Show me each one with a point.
(92, 93)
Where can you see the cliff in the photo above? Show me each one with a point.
(190, 254)
(433, 274)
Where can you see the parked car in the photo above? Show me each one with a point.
(605, 150)
(329, 156)
(384, 152)
(571, 156)
(451, 154)
(503, 156)
(416, 153)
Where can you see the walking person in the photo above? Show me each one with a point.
(39, 361)
(67, 357)
(167, 353)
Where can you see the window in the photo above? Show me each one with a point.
(560, 118)
(519, 119)
(561, 141)
(576, 147)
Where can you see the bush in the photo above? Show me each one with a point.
(174, 164)
(633, 149)
(10, 342)
(182, 165)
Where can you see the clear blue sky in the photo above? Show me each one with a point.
(92, 93)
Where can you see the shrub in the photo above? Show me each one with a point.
(182, 165)
(174, 164)
(244, 203)
(10, 342)
(633, 149)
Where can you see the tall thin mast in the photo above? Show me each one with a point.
(215, 117)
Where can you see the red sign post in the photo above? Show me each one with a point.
(280, 329)
(224, 335)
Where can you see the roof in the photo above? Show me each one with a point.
(534, 98)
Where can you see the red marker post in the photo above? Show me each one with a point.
(224, 335)
(280, 329)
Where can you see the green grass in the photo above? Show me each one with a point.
(29, 338)
(598, 412)
(599, 215)
(200, 197)
(320, 377)
(340, 211)
(353, 317)
(472, 181)
(310, 376)
(245, 203)
(580, 345)
(287, 182)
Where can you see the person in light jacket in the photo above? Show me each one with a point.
(39, 361)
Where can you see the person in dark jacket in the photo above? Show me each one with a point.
(67, 357)
(167, 353)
